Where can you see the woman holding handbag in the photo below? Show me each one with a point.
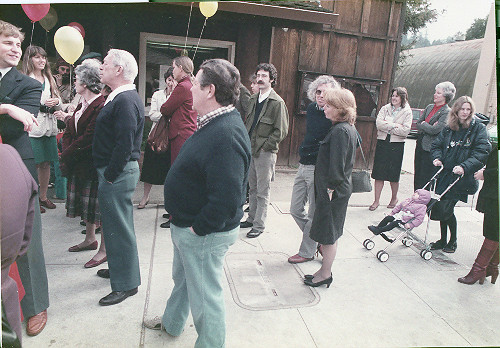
(43, 137)
(393, 126)
(156, 164)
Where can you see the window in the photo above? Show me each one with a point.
(158, 51)
(366, 92)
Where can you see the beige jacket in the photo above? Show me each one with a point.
(398, 127)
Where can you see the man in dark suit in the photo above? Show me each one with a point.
(20, 91)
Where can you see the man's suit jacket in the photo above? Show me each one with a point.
(22, 91)
(431, 130)
(179, 109)
(76, 157)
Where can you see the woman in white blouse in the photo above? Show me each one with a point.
(393, 126)
(156, 165)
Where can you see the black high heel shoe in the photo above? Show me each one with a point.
(309, 276)
(327, 282)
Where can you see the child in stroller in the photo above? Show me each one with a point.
(410, 213)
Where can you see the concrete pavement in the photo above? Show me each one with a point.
(405, 301)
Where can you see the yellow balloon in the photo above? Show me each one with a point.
(69, 43)
(208, 8)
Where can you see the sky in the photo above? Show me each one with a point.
(459, 16)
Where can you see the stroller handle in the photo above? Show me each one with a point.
(441, 167)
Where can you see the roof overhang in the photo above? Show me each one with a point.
(277, 12)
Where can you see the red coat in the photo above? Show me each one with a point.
(179, 108)
(76, 157)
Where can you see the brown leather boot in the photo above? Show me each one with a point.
(478, 271)
(492, 268)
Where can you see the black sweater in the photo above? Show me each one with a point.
(118, 134)
(317, 127)
(206, 185)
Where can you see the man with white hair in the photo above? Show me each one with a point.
(115, 150)
(317, 127)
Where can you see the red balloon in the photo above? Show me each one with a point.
(78, 27)
(35, 12)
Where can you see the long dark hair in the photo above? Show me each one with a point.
(28, 67)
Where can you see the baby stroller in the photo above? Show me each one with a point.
(406, 235)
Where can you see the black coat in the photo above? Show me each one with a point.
(471, 154)
(333, 170)
(24, 92)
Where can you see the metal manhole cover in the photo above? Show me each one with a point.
(263, 281)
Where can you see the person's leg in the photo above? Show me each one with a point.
(299, 198)
(177, 308)
(394, 191)
(478, 271)
(329, 253)
(264, 167)
(115, 202)
(452, 224)
(439, 244)
(386, 220)
(145, 196)
(43, 178)
(60, 182)
(33, 272)
(252, 191)
(390, 225)
(379, 185)
(308, 246)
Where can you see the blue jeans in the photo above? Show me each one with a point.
(197, 273)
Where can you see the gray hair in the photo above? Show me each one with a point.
(449, 90)
(127, 61)
(88, 74)
(224, 76)
(321, 80)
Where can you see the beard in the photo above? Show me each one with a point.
(65, 79)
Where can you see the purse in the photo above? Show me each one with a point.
(47, 126)
(158, 138)
(360, 177)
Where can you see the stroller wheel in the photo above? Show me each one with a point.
(368, 244)
(426, 255)
(407, 242)
(382, 256)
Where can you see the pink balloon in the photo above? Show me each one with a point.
(35, 12)
(78, 27)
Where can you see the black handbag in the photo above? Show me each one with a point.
(360, 177)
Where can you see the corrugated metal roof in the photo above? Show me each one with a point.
(427, 66)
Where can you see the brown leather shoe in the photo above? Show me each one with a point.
(299, 259)
(36, 323)
(47, 204)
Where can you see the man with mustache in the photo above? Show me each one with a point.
(267, 125)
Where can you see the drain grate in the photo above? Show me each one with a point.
(263, 281)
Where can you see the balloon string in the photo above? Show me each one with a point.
(32, 29)
(189, 22)
(199, 39)
(46, 38)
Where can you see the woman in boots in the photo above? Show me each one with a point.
(462, 148)
(486, 263)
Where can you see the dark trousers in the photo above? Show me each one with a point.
(424, 169)
(388, 223)
(115, 202)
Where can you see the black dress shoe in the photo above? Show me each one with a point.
(166, 216)
(254, 233)
(247, 209)
(246, 224)
(450, 247)
(116, 297)
(309, 276)
(103, 273)
(165, 224)
(374, 229)
(83, 223)
(327, 282)
(437, 245)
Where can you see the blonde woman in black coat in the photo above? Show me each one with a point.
(332, 180)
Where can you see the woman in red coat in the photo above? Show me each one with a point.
(76, 159)
(179, 107)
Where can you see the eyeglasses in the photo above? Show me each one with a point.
(319, 92)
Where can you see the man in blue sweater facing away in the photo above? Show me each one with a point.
(317, 127)
(204, 193)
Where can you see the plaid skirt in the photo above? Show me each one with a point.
(82, 199)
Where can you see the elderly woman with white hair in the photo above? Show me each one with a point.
(76, 159)
(429, 125)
